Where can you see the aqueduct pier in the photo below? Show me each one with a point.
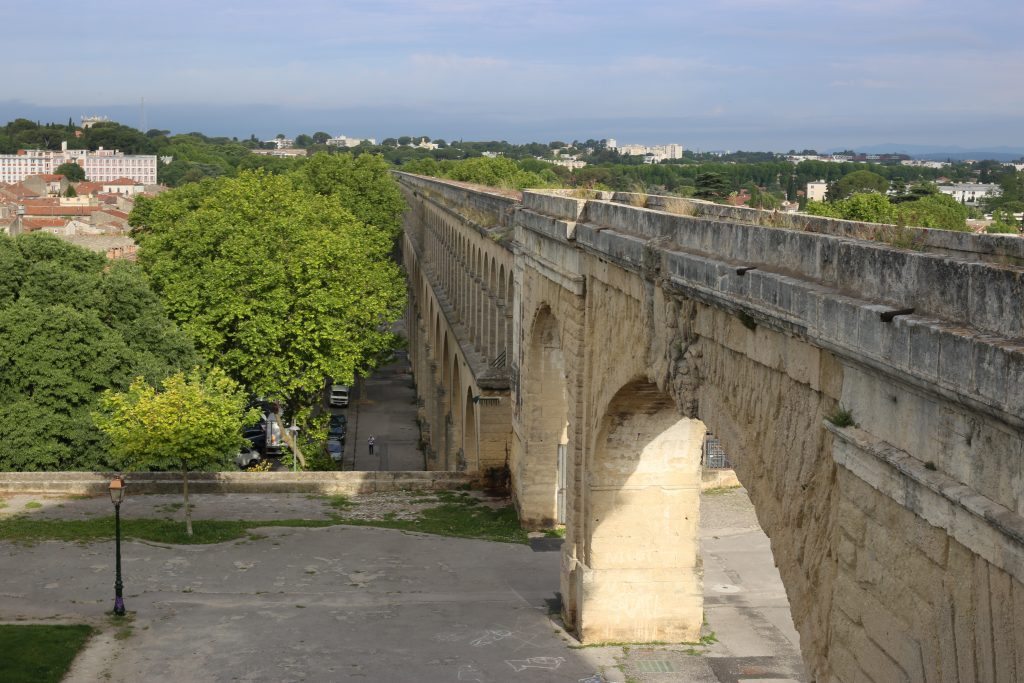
(870, 397)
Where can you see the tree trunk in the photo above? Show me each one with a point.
(188, 508)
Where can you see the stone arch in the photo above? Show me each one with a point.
(471, 441)
(545, 420)
(636, 538)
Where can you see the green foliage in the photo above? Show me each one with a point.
(71, 326)
(72, 171)
(498, 172)
(1003, 223)
(277, 284)
(711, 185)
(193, 422)
(40, 653)
(930, 211)
(841, 417)
(361, 184)
(858, 182)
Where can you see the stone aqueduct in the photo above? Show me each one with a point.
(589, 341)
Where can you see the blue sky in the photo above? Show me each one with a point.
(750, 74)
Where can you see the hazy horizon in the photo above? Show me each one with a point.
(735, 74)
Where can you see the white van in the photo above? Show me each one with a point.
(339, 396)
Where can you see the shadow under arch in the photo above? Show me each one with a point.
(633, 550)
(470, 443)
(544, 421)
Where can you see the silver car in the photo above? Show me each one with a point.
(247, 457)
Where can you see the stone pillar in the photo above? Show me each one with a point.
(637, 576)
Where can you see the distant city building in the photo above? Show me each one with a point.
(90, 121)
(920, 163)
(283, 152)
(281, 143)
(101, 165)
(342, 141)
(567, 162)
(651, 154)
(611, 143)
(816, 190)
(970, 193)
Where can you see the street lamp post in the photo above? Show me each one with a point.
(116, 490)
(294, 429)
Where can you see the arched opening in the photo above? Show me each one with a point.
(638, 574)
(444, 433)
(540, 482)
(470, 442)
(453, 456)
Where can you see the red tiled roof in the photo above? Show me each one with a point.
(40, 223)
(122, 181)
(87, 187)
(17, 191)
(51, 177)
(36, 210)
(116, 213)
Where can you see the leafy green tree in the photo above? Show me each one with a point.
(72, 171)
(856, 182)
(277, 284)
(867, 207)
(1003, 223)
(194, 422)
(71, 191)
(934, 211)
(321, 138)
(404, 140)
(711, 185)
(72, 325)
(303, 141)
(362, 184)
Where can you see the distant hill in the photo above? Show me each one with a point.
(940, 152)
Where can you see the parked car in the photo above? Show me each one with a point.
(338, 427)
(339, 396)
(256, 436)
(247, 457)
(335, 448)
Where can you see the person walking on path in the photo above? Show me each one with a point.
(370, 442)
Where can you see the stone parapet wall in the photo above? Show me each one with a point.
(96, 483)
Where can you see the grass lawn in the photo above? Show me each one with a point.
(457, 515)
(39, 653)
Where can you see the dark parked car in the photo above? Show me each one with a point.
(334, 449)
(338, 427)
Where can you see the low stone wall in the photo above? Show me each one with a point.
(95, 483)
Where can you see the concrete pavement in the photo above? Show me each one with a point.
(351, 603)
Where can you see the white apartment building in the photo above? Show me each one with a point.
(970, 193)
(342, 141)
(102, 165)
(816, 190)
(652, 154)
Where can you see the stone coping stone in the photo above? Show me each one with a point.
(95, 483)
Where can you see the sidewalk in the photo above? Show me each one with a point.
(385, 406)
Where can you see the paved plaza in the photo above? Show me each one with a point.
(353, 603)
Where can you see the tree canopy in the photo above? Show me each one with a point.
(72, 325)
(277, 284)
(193, 422)
(72, 171)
